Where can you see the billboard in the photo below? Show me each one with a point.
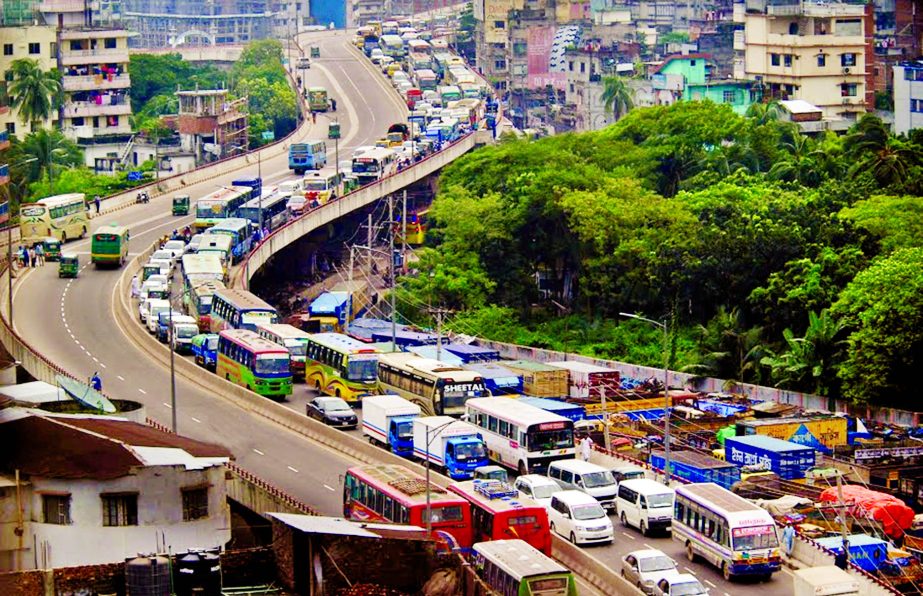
(541, 42)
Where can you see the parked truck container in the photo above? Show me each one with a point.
(828, 580)
(588, 380)
(450, 444)
(498, 379)
(696, 467)
(823, 433)
(388, 420)
(539, 380)
(788, 460)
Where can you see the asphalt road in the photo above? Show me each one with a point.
(72, 324)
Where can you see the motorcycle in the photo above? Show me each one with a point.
(142, 197)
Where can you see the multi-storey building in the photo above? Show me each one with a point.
(819, 52)
(165, 23)
(289, 17)
(898, 31)
(908, 96)
(37, 42)
(210, 126)
(493, 37)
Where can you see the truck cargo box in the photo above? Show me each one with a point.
(788, 460)
(539, 380)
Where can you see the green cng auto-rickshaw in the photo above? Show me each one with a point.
(181, 205)
(52, 248)
(315, 52)
(68, 266)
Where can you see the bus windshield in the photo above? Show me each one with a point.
(466, 451)
(33, 211)
(296, 347)
(207, 209)
(255, 317)
(449, 513)
(590, 511)
(271, 363)
(362, 368)
(754, 537)
(405, 430)
(598, 479)
(540, 440)
(315, 185)
(365, 167)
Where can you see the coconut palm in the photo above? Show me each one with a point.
(35, 93)
(617, 96)
(870, 134)
(44, 152)
(765, 112)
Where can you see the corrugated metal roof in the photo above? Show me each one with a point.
(769, 443)
(316, 524)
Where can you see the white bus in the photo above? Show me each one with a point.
(374, 164)
(521, 436)
(392, 45)
(62, 216)
(440, 389)
(726, 530)
(292, 339)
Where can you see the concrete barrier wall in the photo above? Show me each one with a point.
(810, 554)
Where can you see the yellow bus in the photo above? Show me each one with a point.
(339, 365)
(62, 216)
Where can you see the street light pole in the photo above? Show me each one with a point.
(666, 388)
(172, 365)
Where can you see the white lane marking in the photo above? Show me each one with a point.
(142, 391)
(648, 546)
(689, 570)
(711, 584)
(194, 419)
(95, 359)
(102, 364)
(292, 469)
(627, 535)
(121, 378)
(330, 488)
(168, 405)
(258, 452)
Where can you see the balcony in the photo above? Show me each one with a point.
(740, 43)
(87, 109)
(4, 140)
(818, 9)
(97, 56)
(95, 82)
(813, 41)
(93, 33)
(66, 5)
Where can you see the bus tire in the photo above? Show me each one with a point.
(63, 237)
(523, 469)
(726, 571)
(551, 527)
(337, 392)
(317, 386)
(83, 232)
(690, 554)
(623, 519)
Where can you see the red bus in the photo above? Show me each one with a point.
(394, 494)
(500, 512)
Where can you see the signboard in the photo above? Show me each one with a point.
(268, 135)
(861, 454)
(134, 176)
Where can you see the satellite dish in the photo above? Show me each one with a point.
(85, 395)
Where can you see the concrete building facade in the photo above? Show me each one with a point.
(38, 42)
(818, 52)
(119, 486)
(908, 96)
(172, 23)
(210, 126)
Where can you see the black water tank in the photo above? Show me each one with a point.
(199, 573)
(147, 576)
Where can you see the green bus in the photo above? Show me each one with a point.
(248, 360)
(317, 99)
(516, 568)
(341, 366)
(110, 246)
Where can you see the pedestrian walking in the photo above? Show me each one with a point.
(841, 559)
(96, 202)
(586, 448)
(40, 255)
(135, 287)
(313, 117)
(95, 382)
(21, 254)
(333, 104)
(32, 256)
(788, 538)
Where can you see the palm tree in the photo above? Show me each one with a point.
(889, 164)
(35, 93)
(807, 364)
(765, 112)
(870, 134)
(728, 349)
(50, 149)
(617, 96)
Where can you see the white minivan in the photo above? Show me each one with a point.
(644, 504)
(575, 474)
(579, 517)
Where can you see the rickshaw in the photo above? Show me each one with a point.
(315, 52)
(68, 266)
(52, 248)
(181, 205)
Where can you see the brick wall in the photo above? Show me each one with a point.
(248, 567)
(22, 583)
(283, 546)
(97, 579)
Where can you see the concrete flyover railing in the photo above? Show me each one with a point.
(348, 203)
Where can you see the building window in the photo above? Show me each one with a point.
(35, 48)
(195, 503)
(916, 105)
(583, 67)
(500, 64)
(53, 49)
(913, 74)
(109, 43)
(56, 509)
(570, 65)
(499, 24)
(847, 59)
(849, 89)
(821, 60)
(787, 60)
(729, 96)
(11, 127)
(774, 59)
(120, 510)
(78, 121)
(7, 49)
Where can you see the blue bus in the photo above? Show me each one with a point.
(310, 155)
(274, 208)
(238, 229)
(253, 182)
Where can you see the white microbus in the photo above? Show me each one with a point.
(726, 530)
(521, 436)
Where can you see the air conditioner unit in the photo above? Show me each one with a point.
(846, 70)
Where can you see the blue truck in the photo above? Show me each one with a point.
(253, 182)
(696, 467)
(788, 460)
(450, 444)
(205, 350)
(388, 420)
(865, 551)
(498, 379)
(573, 412)
(470, 354)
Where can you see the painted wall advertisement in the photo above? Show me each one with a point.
(541, 42)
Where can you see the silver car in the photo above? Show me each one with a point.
(644, 568)
(679, 584)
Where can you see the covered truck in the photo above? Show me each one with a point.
(788, 460)
(448, 443)
(895, 517)
(823, 433)
(696, 467)
(388, 420)
(498, 379)
(588, 380)
(828, 580)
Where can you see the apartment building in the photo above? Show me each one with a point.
(908, 96)
(816, 51)
(289, 17)
(163, 23)
(493, 37)
(898, 37)
(37, 42)
(210, 126)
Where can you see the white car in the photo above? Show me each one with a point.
(579, 518)
(680, 584)
(644, 568)
(297, 205)
(176, 247)
(144, 309)
(399, 75)
(193, 244)
(165, 265)
(537, 487)
(166, 255)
